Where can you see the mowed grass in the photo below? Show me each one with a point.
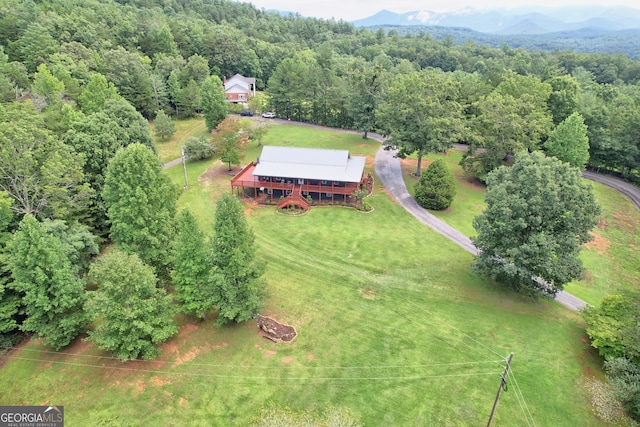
(170, 149)
(391, 321)
(611, 260)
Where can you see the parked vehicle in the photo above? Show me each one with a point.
(247, 113)
(269, 115)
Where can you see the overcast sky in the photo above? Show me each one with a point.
(350, 10)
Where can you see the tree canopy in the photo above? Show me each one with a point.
(539, 213)
(53, 292)
(141, 205)
(422, 114)
(238, 286)
(131, 314)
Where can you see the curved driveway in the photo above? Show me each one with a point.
(389, 172)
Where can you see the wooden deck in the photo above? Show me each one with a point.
(245, 179)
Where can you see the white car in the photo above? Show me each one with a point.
(269, 115)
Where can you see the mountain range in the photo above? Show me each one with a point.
(522, 20)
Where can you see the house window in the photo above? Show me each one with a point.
(300, 181)
(324, 182)
(328, 194)
(287, 192)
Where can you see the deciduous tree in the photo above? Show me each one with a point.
(539, 212)
(10, 300)
(569, 141)
(213, 101)
(43, 175)
(198, 148)
(53, 291)
(131, 314)
(229, 142)
(512, 118)
(422, 114)
(239, 289)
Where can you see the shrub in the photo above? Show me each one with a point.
(198, 148)
(436, 187)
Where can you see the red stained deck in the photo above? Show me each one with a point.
(246, 179)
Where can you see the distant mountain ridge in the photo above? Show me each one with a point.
(524, 20)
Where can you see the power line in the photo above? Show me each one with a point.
(519, 390)
(455, 329)
(254, 378)
(212, 365)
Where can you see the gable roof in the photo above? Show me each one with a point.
(240, 80)
(236, 88)
(310, 163)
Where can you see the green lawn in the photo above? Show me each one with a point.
(610, 260)
(392, 324)
(170, 149)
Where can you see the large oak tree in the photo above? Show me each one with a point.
(539, 213)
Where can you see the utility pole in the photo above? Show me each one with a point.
(503, 386)
(184, 167)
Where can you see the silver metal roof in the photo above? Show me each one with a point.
(310, 163)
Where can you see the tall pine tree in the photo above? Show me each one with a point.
(239, 289)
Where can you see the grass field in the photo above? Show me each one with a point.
(611, 260)
(392, 325)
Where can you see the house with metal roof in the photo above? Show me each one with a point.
(297, 176)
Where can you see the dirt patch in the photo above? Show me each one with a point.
(220, 345)
(216, 172)
(158, 382)
(600, 244)
(311, 357)
(190, 355)
(287, 360)
(269, 353)
(367, 294)
(140, 386)
(275, 331)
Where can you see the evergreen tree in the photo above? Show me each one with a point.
(141, 205)
(131, 314)
(436, 187)
(239, 289)
(163, 125)
(191, 265)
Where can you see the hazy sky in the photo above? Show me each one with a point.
(350, 10)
